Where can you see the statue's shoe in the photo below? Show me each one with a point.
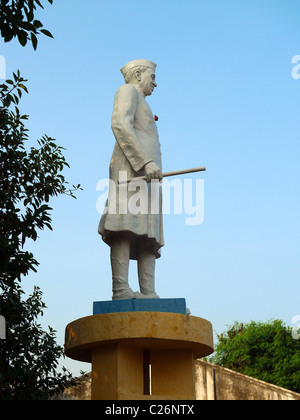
(124, 294)
(139, 295)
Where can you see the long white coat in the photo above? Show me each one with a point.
(136, 144)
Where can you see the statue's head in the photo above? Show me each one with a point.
(141, 73)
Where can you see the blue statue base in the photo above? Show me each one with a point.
(177, 306)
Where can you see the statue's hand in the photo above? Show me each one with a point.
(152, 171)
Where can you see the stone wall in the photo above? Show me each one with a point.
(218, 383)
(79, 392)
(212, 383)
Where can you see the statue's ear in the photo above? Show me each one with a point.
(138, 75)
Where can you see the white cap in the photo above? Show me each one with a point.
(136, 63)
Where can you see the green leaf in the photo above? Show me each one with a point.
(47, 33)
(39, 3)
(23, 87)
(8, 37)
(34, 41)
(22, 37)
(29, 15)
(37, 24)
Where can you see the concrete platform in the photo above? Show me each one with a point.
(140, 354)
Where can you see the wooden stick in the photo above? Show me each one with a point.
(166, 174)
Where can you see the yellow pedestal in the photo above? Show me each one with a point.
(140, 355)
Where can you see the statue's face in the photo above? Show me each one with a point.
(146, 81)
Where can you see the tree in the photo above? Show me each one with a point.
(17, 20)
(29, 177)
(266, 351)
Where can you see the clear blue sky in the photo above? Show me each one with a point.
(225, 99)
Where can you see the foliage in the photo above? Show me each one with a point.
(266, 351)
(28, 178)
(17, 20)
(29, 356)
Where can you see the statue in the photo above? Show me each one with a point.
(136, 152)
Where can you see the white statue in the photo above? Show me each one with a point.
(137, 152)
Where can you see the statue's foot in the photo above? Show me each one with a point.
(139, 295)
(124, 294)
